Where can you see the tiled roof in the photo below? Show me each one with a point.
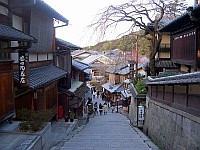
(8, 33)
(113, 88)
(165, 64)
(91, 59)
(79, 65)
(96, 65)
(66, 44)
(189, 78)
(48, 10)
(87, 71)
(182, 20)
(126, 93)
(80, 52)
(42, 75)
(124, 71)
(121, 68)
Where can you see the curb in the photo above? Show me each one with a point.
(146, 139)
(73, 126)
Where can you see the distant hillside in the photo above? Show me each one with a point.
(125, 43)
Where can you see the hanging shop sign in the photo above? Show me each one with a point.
(23, 68)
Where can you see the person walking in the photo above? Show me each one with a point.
(94, 93)
(100, 108)
(105, 108)
(103, 96)
(95, 108)
(97, 94)
(113, 107)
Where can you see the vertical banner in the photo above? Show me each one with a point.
(23, 68)
(131, 66)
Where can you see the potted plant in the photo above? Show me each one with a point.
(71, 116)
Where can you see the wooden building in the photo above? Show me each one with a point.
(7, 95)
(98, 64)
(72, 87)
(163, 61)
(113, 87)
(184, 39)
(36, 87)
(173, 106)
(173, 111)
(80, 75)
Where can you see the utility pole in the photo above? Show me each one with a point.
(136, 48)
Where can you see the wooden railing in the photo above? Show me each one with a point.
(180, 99)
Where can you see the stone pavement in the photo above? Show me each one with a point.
(108, 132)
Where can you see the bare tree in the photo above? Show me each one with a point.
(146, 15)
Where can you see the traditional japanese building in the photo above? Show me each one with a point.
(173, 107)
(7, 95)
(35, 75)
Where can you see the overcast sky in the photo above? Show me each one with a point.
(80, 14)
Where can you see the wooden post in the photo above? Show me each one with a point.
(136, 72)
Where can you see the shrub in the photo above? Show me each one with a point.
(24, 126)
(25, 114)
(33, 121)
(141, 87)
(166, 74)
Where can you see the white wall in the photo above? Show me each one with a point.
(15, 57)
(32, 57)
(17, 23)
(40, 56)
(3, 10)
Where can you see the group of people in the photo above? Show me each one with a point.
(103, 108)
(95, 92)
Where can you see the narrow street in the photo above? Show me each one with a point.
(108, 132)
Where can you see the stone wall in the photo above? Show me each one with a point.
(172, 129)
(133, 112)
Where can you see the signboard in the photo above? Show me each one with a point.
(141, 113)
(23, 68)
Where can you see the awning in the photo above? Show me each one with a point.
(165, 64)
(41, 76)
(79, 89)
(75, 85)
(113, 88)
(8, 33)
(87, 71)
(126, 93)
(75, 102)
(127, 81)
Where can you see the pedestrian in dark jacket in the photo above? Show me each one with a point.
(100, 108)
(95, 108)
(102, 96)
(97, 94)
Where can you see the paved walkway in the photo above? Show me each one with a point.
(108, 132)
